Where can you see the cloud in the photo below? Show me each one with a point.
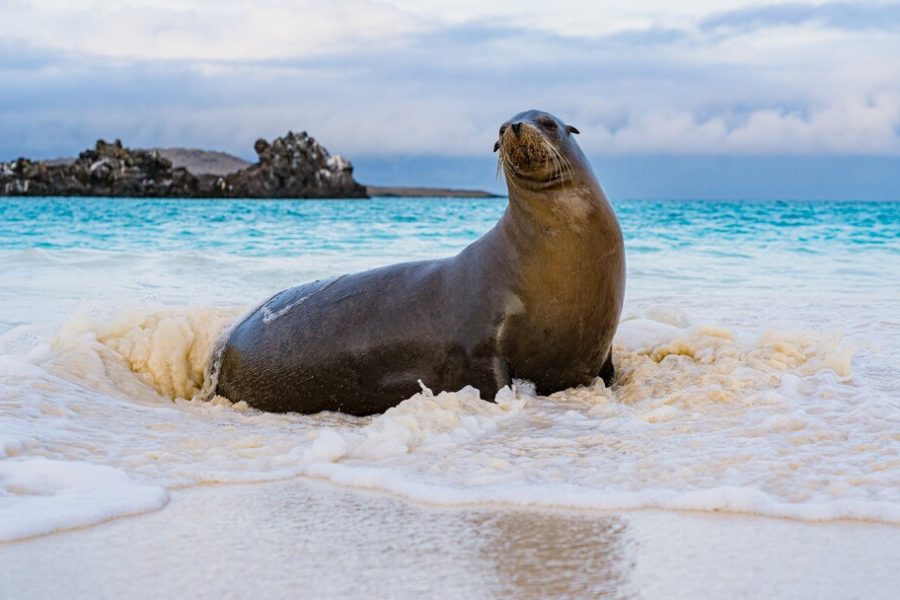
(199, 30)
(381, 79)
(848, 16)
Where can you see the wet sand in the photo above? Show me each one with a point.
(308, 539)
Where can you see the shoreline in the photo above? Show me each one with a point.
(275, 538)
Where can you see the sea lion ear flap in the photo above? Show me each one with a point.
(572, 129)
(496, 145)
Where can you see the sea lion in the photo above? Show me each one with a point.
(537, 298)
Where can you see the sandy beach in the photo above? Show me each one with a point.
(306, 539)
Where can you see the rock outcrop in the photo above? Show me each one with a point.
(293, 166)
(107, 170)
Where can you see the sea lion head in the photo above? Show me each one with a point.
(537, 150)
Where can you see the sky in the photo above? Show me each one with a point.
(414, 90)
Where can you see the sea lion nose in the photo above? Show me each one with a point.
(516, 127)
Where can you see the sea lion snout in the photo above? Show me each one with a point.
(525, 150)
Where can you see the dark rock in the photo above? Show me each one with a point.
(293, 166)
(106, 170)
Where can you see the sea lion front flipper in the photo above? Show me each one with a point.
(608, 371)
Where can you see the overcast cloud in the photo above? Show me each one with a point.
(404, 77)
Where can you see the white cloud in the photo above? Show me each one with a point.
(419, 77)
(572, 17)
(203, 30)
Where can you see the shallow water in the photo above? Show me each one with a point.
(330, 542)
(757, 362)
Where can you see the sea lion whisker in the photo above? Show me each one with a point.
(512, 176)
(559, 162)
(567, 171)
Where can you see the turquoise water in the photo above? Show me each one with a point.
(274, 227)
(757, 360)
(780, 253)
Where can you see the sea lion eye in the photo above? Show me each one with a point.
(548, 124)
(503, 128)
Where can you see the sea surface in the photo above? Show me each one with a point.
(758, 363)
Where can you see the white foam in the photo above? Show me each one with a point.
(703, 417)
(39, 496)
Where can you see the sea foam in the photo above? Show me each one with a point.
(702, 417)
(40, 496)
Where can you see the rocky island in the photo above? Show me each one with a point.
(292, 166)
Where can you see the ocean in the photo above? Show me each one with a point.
(758, 363)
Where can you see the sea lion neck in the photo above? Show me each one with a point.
(573, 208)
(548, 237)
